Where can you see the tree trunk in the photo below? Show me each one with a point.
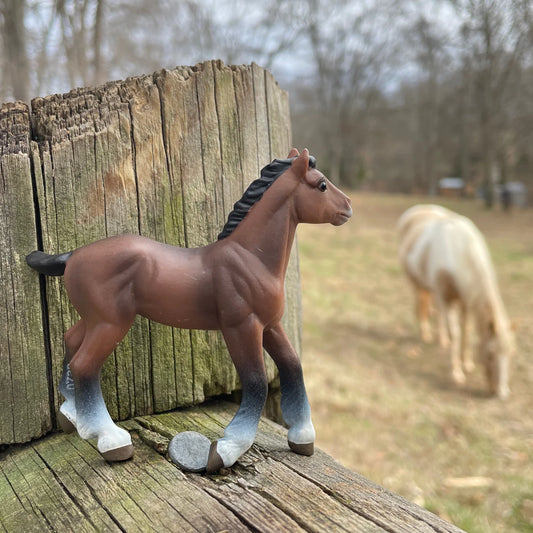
(14, 37)
(98, 70)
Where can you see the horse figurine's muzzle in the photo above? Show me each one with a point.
(344, 215)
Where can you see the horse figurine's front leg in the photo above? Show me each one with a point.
(294, 403)
(245, 348)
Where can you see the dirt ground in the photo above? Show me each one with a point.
(384, 403)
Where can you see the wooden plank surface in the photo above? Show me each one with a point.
(61, 483)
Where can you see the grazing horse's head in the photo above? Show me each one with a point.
(497, 345)
(316, 199)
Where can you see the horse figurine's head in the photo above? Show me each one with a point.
(316, 199)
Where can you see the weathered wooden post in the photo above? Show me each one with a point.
(165, 156)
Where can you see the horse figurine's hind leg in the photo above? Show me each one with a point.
(67, 412)
(92, 420)
(84, 409)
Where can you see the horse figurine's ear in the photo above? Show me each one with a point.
(293, 153)
(300, 165)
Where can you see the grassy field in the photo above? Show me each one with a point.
(384, 403)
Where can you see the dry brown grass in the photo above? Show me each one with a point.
(384, 403)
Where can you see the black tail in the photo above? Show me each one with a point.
(51, 265)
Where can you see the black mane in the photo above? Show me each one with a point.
(255, 191)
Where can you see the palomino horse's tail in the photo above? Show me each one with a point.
(51, 265)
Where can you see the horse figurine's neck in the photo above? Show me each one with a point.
(268, 229)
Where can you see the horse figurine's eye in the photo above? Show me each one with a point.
(323, 186)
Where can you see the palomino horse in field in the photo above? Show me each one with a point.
(445, 256)
(235, 285)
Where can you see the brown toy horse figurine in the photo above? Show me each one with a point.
(235, 284)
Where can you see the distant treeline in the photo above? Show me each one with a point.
(393, 93)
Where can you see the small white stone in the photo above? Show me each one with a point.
(190, 451)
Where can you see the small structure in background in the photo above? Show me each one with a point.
(451, 187)
(512, 194)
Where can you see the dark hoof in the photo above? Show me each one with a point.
(214, 462)
(65, 424)
(302, 449)
(119, 454)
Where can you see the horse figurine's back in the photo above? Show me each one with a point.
(235, 284)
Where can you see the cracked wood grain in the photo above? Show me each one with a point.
(24, 394)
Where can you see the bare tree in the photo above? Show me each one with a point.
(69, 37)
(497, 34)
(351, 55)
(427, 44)
(398, 92)
(73, 16)
(15, 62)
(98, 68)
